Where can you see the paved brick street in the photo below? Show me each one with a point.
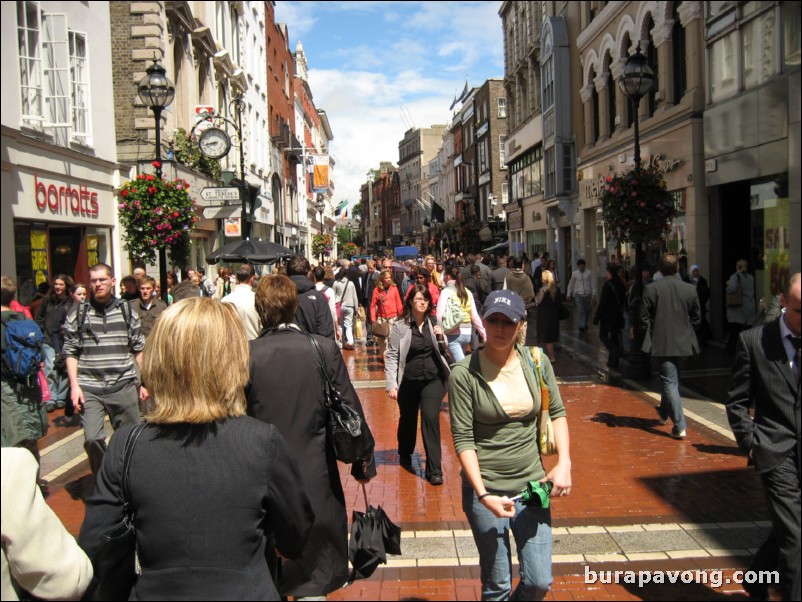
(640, 501)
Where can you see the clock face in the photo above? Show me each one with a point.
(214, 143)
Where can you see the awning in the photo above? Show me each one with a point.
(502, 246)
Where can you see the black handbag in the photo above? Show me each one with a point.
(344, 427)
(116, 564)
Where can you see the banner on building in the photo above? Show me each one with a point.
(342, 206)
(320, 178)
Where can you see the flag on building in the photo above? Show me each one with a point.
(341, 206)
(320, 178)
(344, 214)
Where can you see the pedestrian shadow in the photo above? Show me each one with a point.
(81, 488)
(731, 450)
(648, 425)
(681, 591)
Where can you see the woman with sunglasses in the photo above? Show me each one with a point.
(416, 376)
(424, 278)
(495, 398)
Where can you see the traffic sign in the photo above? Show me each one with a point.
(220, 193)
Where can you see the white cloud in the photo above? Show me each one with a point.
(414, 55)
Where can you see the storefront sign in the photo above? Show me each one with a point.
(232, 227)
(39, 255)
(66, 200)
(593, 188)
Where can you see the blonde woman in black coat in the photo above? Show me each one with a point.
(208, 484)
(286, 390)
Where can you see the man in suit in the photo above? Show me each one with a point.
(669, 315)
(366, 285)
(766, 372)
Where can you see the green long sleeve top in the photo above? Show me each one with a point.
(506, 447)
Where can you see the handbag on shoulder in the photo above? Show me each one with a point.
(380, 329)
(345, 430)
(546, 442)
(116, 563)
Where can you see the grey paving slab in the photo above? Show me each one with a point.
(430, 547)
(466, 547)
(596, 543)
(654, 541)
(731, 538)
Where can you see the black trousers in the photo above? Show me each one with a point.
(611, 337)
(425, 396)
(781, 551)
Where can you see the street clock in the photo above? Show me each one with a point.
(214, 143)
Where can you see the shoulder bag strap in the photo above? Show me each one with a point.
(322, 366)
(130, 442)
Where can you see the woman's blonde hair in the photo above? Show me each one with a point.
(380, 281)
(276, 300)
(195, 363)
(548, 279)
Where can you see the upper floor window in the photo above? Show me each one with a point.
(54, 74)
(502, 108)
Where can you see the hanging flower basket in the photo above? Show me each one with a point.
(637, 207)
(321, 245)
(157, 214)
(349, 249)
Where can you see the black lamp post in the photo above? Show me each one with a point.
(157, 91)
(636, 82)
(320, 206)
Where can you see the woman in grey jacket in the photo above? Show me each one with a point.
(416, 375)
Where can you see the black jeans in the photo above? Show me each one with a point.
(426, 396)
(611, 337)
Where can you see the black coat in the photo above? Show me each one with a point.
(610, 311)
(50, 318)
(286, 390)
(313, 315)
(206, 498)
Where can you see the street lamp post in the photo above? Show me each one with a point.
(636, 82)
(157, 91)
(320, 206)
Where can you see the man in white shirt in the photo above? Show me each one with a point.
(582, 287)
(244, 299)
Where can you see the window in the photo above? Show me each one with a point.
(567, 170)
(791, 17)
(502, 108)
(30, 61)
(502, 152)
(79, 86)
(679, 67)
(723, 82)
(551, 171)
(759, 46)
(482, 146)
(548, 84)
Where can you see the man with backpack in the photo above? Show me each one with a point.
(100, 336)
(24, 419)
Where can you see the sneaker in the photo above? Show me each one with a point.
(60, 405)
(662, 418)
(50, 407)
(679, 434)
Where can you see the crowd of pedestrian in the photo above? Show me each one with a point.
(218, 398)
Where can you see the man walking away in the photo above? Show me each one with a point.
(766, 373)
(99, 337)
(582, 287)
(244, 299)
(669, 316)
(313, 315)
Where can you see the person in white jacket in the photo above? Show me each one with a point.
(582, 287)
(460, 336)
(40, 557)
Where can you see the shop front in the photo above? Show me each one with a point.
(61, 225)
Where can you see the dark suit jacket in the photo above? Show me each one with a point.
(761, 375)
(367, 284)
(669, 315)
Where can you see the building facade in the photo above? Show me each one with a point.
(59, 165)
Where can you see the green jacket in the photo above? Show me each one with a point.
(506, 447)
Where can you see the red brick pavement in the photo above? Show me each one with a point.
(626, 470)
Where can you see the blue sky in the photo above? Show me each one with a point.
(378, 68)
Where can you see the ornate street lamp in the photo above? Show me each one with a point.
(157, 91)
(320, 206)
(636, 81)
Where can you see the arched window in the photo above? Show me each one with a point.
(612, 109)
(651, 56)
(594, 98)
(678, 57)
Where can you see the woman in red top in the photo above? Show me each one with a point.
(425, 277)
(385, 306)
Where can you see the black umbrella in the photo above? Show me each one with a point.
(373, 536)
(249, 251)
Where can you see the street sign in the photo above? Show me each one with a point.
(220, 193)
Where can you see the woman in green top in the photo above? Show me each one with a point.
(494, 399)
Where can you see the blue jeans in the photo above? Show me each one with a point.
(583, 310)
(531, 528)
(670, 400)
(456, 344)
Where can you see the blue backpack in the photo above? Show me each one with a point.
(22, 347)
